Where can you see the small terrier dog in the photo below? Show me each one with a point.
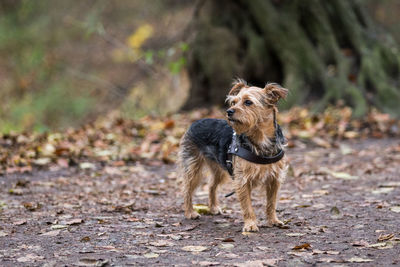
(251, 122)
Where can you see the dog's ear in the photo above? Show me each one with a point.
(275, 92)
(237, 85)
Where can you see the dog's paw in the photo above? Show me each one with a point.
(215, 210)
(192, 215)
(250, 226)
(274, 222)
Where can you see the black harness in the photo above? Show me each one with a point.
(235, 148)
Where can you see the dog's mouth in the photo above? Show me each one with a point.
(233, 120)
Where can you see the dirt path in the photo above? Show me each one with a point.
(342, 205)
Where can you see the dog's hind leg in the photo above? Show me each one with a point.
(191, 167)
(219, 175)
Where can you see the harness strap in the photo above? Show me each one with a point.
(250, 156)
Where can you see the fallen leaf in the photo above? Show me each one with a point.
(92, 262)
(226, 246)
(20, 222)
(295, 234)
(58, 226)
(208, 263)
(344, 175)
(254, 263)
(151, 255)
(361, 243)
(47, 150)
(390, 184)
(195, 248)
(42, 161)
(32, 206)
(176, 237)
(161, 243)
(385, 237)
(51, 233)
(87, 165)
(2, 233)
(169, 124)
(16, 191)
(329, 260)
(321, 142)
(264, 248)
(395, 209)
(30, 258)
(340, 175)
(382, 190)
(202, 209)
(351, 134)
(22, 183)
(302, 246)
(329, 252)
(345, 149)
(332, 252)
(85, 239)
(335, 213)
(321, 192)
(358, 259)
(248, 233)
(190, 227)
(64, 163)
(74, 222)
(383, 245)
(300, 253)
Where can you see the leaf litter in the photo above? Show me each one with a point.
(111, 191)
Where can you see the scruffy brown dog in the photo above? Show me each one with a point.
(249, 147)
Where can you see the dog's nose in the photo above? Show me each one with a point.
(230, 112)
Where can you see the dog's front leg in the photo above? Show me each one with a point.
(244, 194)
(272, 189)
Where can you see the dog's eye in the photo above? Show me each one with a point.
(248, 103)
(233, 103)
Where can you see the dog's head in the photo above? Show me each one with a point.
(250, 105)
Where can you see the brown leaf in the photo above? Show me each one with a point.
(52, 233)
(31, 206)
(161, 243)
(20, 222)
(195, 248)
(207, 263)
(169, 124)
(85, 239)
(30, 258)
(359, 260)
(303, 246)
(74, 222)
(385, 237)
(321, 142)
(361, 243)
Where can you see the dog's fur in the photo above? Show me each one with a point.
(206, 143)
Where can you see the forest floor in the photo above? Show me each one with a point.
(340, 206)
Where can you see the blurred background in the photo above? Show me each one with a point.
(66, 63)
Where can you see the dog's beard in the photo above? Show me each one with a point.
(238, 126)
(234, 121)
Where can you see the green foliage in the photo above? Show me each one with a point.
(39, 92)
(55, 107)
(176, 66)
(61, 62)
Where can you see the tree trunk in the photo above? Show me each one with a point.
(323, 51)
